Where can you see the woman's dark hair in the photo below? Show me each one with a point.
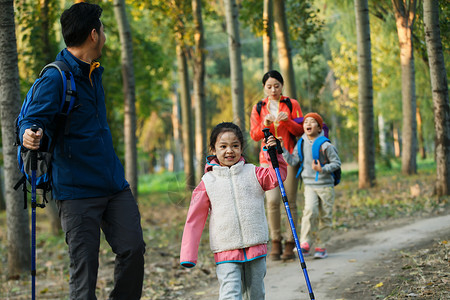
(225, 127)
(78, 21)
(272, 74)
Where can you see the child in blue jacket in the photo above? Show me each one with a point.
(319, 187)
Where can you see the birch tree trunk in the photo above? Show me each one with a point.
(129, 95)
(405, 11)
(366, 136)
(284, 48)
(18, 231)
(267, 35)
(234, 49)
(382, 136)
(439, 85)
(199, 89)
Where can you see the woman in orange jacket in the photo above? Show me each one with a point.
(284, 118)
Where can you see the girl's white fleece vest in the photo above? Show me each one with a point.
(237, 218)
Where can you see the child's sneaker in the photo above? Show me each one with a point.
(320, 253)
(305, 248)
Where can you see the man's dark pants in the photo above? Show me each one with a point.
(118, 217)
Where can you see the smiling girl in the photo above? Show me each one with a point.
(232, 193)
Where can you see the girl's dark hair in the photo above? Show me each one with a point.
(225, 127)
(78, 21)
(272, 74)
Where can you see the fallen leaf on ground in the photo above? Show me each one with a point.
(379, 285)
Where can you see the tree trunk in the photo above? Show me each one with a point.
(129, 96)
(2, 192)
(366, 143)
(267, 35)
(188, 146)
(199, 90)
(234, 49)
(284, 48)
(53, 216)
(397, 140)
(439, 85)
(405, 11)
(18, 232)
(382, 136)
(177, 143)
(45, 25)
(422, 150)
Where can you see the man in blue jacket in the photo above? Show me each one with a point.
(88, 178)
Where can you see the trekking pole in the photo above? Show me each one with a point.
(273, 157)
(33, 158)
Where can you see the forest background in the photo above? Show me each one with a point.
(160, 119)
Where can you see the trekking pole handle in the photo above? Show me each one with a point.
(271, 149)
(33, 157)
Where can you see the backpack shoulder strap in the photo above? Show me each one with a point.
(68, 100)
(300, 155)
(316, 146)
(300, 148)
(288, 103)
(68, 84)
(259, 106)
(316, 150)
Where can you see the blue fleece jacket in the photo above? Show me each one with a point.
(84, 162)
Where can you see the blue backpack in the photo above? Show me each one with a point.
(43, 173)
(317, 155)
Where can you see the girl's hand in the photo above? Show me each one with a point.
(316, 166)
(268, 120)
(282, 116)
(271, 141)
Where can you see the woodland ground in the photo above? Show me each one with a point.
(419, 272)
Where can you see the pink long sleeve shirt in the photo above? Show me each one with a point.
(198, 214)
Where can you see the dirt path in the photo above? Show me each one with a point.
(351, 257)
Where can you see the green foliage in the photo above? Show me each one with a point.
(32, 30)
(251, 15)
(323, 41)
(161, 183)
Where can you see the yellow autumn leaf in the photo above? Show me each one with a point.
(444, 242)
(379, 285)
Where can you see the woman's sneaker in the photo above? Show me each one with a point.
(320, 253)
(305, 248)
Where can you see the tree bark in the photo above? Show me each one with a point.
(199, 89)
(176, 127)
(421, 138)
(405, 11)
(129, 95)
(267, 35)
(188, 146)
(284, 48)
(439, 85)
(18, 232)
(366, 143)
(234, 49)
(382, 136)
(397, 140)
